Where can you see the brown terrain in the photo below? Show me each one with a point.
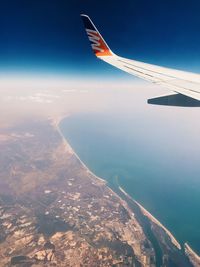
(55, 212)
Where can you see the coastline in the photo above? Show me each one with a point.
(192, 255)
(153, 219)
(56, 124)
(142, 255)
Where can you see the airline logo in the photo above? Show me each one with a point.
(98, 45)
(95, 40)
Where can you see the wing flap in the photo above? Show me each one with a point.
(174, 100)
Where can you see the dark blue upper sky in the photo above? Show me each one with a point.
(48, 36)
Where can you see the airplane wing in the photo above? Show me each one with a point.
(185, 85)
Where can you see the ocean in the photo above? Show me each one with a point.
(155, 160)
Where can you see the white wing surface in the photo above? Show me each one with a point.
(186, 85)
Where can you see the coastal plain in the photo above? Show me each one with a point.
(55, 212)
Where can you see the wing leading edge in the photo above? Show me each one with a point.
(182, 83)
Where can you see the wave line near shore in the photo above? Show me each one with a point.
(153, 219)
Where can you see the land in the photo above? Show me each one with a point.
(193, 257)
(169, 252)
(55, 212)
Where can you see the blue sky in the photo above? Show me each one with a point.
(47, 36)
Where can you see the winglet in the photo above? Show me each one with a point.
(99, 46)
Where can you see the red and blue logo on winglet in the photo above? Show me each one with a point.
(99, 46)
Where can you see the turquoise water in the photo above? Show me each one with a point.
(156, 161)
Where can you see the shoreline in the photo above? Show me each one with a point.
(56, 123)
(153, 219)
(193, 256)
